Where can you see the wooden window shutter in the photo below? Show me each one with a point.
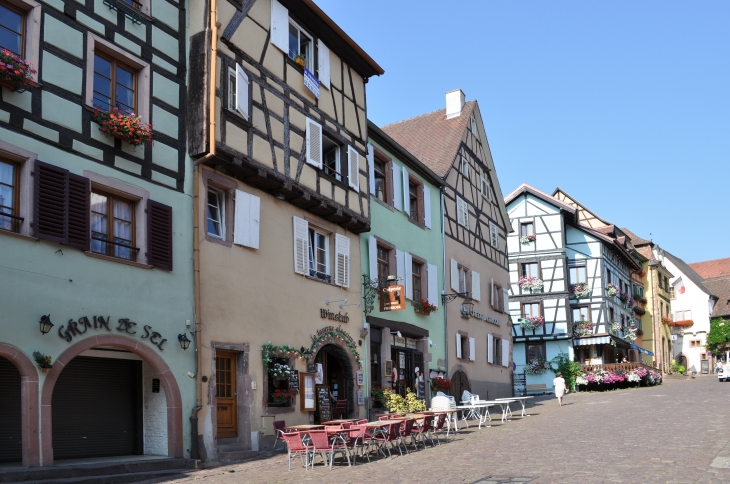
(426, 206)
(353, 163)
(493, 298)
(490, 348)
(397, 187)
(408, 275)
(159, 235)
(371, 169)
(51, 202)
(242, 91)
(280, 26)
(342, 260)
(433, 291)
(301, 246)
(454, 275)
(505, 352)
(247, 220)
(472, 349)
(458, 345)
(406, 192)
(476, 287)
(79, 212)
(323, 67)
(314, 143)
(505, 303)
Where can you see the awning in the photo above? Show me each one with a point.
(599, 340)
(642, 350)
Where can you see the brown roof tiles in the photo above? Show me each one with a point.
(712, 268)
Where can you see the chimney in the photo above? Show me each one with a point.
(454, 103)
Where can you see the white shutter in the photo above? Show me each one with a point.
(409, 275)
(242, 91)
(323, 56)
(400, 264)
(472, 349)
(397, 195)
(406, 192)
(476, 286)
(490, 344)
(454, 275)
(246, 228)
(433, 290)
(493, 297)
(342, 260)
(505, 308)
(462, 212)
(314, 143)
(280, 26)
(353, 164)
(493, 235)
(458, 345)
(371, 168)
(373, 250)
(301, 246)
(505, 352)
(426, 206)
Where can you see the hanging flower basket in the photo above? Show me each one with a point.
(15, 73)
(612, 290)
(123, 125)
(526, 239)
(537, 366)
(532, 323)
(583, 328)
(580, 290)
(424, 307)
(532, 284)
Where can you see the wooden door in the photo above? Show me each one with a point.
(225, 382)
(459, 383)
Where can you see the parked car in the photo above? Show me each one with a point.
(724, 373)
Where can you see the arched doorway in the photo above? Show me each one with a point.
(459, 383)
(11, 438)
(337, 374)
(72, 365)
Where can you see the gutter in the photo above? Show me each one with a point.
(443, 283)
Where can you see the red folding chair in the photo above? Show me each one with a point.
(388, 438)
(278, 430)
(295, 446)
(324, 445)
(406, 431)
(356, 437)
(425, 429)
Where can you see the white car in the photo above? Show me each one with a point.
(724, 373)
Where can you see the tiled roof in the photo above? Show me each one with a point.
(689, 272)
(431, 137)
(635, 239)
(720, 287)
(712, 268)
(539, 194)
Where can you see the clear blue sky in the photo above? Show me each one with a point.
(624, 105)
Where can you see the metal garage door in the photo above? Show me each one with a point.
(97, 409)
(10, 416)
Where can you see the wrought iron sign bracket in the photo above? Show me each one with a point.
(447, 298)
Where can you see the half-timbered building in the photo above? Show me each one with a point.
(278, 132)
(453, 143)
(95, 232)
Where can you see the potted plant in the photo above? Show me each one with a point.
(531, 322)
(612, 289)
(583, 328)
(123, 125)
(526, 239)
(15, 73)
(531, 284)
(424, 307)
(377, 394)
(282, 396)
(301, 60)
(45, 362)
(580, 290)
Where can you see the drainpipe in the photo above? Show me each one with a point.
(443, 284)
(196, 225)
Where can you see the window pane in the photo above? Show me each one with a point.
(6, 196)
(214, 216)
(293, 41)
(103, 67)
(231, 91)
(125, 77)
(122, 210)
(7, 173)
(125, 98)
(10, 41)
(11, 26)
(331, 163)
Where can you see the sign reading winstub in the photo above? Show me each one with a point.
(393, 298)
(311, 82)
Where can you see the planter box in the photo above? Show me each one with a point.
(422, 311)
(16, 88)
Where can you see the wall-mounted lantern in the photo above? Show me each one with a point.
(184, 341)
(46, 324)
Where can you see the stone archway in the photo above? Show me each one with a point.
(459, 382)
(167, 380)
(28, 402)
(351, 366)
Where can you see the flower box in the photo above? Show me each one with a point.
(424, 307)
(580, 290)
(683, 324)
(532, 323)
(532, 284)
(537, 366)
(16, 74)
(123, 125)
(526, 239)
(612, 290)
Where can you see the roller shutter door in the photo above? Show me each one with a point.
(10, 416)
(97, 409)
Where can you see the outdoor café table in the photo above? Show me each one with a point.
(504, 403)
(522, 402)
(339, 421)
(303, 427)
(475, 408)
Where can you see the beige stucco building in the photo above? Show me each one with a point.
(282, 194)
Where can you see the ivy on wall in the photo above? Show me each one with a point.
(268, 349)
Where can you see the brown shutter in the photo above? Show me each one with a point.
(79, 207)
(51, 202)
(159, 235)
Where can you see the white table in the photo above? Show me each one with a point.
(474, 410)
(522, 401)
(504, 403)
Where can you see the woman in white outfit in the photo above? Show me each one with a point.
(560, 388)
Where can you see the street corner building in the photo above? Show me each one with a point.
(95, 231)
(278, 134)
(453, 144)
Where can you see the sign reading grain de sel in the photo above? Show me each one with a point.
(75, 328)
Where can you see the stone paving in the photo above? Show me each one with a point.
(678, 432)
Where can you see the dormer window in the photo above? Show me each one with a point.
(300, 44)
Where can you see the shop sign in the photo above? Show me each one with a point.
(75, 328)
(411, 343)
(392, 298)
(340, 332)
(311, 82)
(486, 318)
(339, 317)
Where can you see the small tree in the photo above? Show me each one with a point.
(719, 337)
(569, 368)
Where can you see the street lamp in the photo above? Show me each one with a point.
(46, 324)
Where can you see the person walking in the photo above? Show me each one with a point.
(718, 367)
(560, 387)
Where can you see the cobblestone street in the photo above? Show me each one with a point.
(677, 432)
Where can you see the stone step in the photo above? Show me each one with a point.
(153, 476)
(104, 469)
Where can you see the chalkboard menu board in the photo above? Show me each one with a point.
(323, 400)
(294, 381)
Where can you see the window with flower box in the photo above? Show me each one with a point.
(12, 28)
(531, 310)
(578, 275)
(20, 32)
(535, 350)
(416, 270)
(279, 393)
(527, 229)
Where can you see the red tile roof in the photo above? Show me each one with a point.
(712, 268)
(431, 137)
